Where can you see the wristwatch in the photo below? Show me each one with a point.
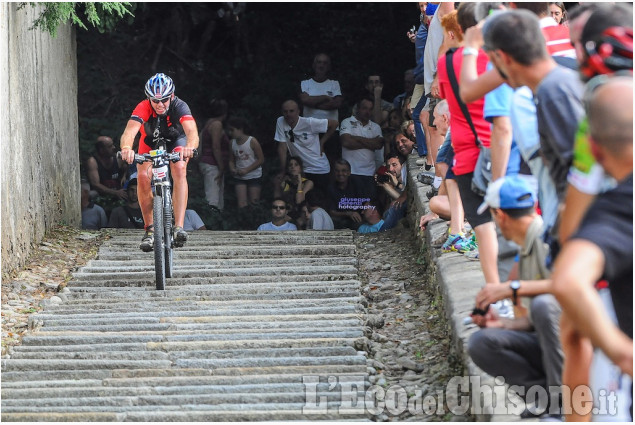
(515, 286)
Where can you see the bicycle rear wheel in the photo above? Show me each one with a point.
(168, 225)
(159, 259)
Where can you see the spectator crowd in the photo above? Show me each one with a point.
(520, 116)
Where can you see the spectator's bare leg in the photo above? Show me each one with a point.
(578, 354)
(488, 251)
(241, 195)
(254, 194)
(457, 216)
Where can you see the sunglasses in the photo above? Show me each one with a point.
(278, 207)
(164, 100)
(291, 136)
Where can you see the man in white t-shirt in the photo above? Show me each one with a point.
(362, 146)
(300, 136)
(278, 213)
(320, 96)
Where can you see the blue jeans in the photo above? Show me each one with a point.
(393, 215)
(422, 148)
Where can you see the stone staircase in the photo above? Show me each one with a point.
(253, 326)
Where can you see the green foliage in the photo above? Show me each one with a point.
(103, 15)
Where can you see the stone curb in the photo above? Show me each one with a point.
(458, 280)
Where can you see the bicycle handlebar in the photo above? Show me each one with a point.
(146, 157)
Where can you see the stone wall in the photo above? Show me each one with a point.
(39, 150)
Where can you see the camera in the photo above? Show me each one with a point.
(413, 29)
(383, 178)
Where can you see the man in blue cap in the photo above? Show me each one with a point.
(525, 350)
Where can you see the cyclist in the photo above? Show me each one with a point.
(178, 126)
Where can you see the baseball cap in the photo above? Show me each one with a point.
(509, 192)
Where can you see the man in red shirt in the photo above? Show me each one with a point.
(466, 151)
(176, 124)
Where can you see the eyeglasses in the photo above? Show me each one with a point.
(278, 207)
(164, 100)
(291, 136)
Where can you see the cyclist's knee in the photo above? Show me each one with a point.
(179, 170)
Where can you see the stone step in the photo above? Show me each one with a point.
(147, 281)
(229, 326)
(191, 390)
(227, 262)
(197, 378)
(148, 399)
(192, 354)
(264, 292)
(207, 316)
(211, 236)
(193, 345)
(216, 308)
(223, 413)
(243, 373)
(246, 316)
(186, 253)
(10, 365)
(185, 272)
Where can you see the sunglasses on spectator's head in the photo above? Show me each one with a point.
(163, 100)
(278, 207)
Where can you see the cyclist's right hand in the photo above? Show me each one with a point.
(127, 155)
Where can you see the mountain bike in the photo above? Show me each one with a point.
(162, 209)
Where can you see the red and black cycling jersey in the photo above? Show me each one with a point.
(143, 113)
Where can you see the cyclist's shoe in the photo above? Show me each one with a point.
(147, 243)
(180, 237)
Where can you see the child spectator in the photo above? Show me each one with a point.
(245, 163)
(318, 219)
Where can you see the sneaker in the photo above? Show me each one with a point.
(180, 237)
(450, 244)
(465, 244)
(147, 243)
(432, 193)
(426, 177)
(472, 255)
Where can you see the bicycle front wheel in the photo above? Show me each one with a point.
(159, 259)
(168, 226)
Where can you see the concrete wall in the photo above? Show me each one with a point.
(39, 150)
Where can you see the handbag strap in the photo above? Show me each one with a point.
(449, 65)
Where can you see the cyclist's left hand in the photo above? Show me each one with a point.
(186, 152)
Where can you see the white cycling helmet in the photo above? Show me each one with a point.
(159, 86)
